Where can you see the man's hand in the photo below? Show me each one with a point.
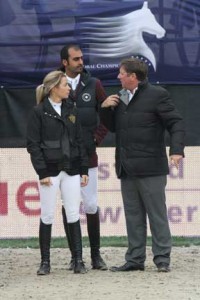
(175, 160)
(110, 101)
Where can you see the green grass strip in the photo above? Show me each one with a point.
(111, 241)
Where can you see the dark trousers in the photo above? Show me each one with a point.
(142, 197)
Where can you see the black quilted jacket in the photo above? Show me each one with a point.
(55, 142)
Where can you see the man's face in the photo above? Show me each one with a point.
(128, 81)
(74, 64)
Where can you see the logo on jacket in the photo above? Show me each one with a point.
(86, 97)
(72, 118)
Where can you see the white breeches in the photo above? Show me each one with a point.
(70, 194)
(89, 192)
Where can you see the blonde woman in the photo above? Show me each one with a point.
(57, 154)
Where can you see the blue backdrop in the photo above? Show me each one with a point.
(163, 33)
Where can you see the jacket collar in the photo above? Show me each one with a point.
(48, 107)
(67, 105)
(85, 77)
(124, 95)
(143, 83)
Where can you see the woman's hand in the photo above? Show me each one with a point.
(46, 181)
(84, 180)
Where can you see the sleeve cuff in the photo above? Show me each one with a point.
(84, 171)
(43, 173)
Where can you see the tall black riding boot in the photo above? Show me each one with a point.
(93, 226)
(66, 228)
(76, 242)
(45, 241)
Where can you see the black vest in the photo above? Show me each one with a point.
(87, 105)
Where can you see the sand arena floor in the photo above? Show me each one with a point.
(18, 279)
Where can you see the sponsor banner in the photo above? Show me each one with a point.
(20, 205)
(35, 30)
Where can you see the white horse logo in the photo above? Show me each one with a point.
(121, 36)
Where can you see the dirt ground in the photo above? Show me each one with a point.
(18, 279)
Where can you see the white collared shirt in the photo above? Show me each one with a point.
(131, 94)
(56, 106)
(73, 81)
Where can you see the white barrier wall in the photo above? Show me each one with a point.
(20, 206)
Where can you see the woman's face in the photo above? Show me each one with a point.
(62, 90)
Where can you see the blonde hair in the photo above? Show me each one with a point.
(51, 80)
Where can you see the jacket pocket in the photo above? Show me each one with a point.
(52, 151)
